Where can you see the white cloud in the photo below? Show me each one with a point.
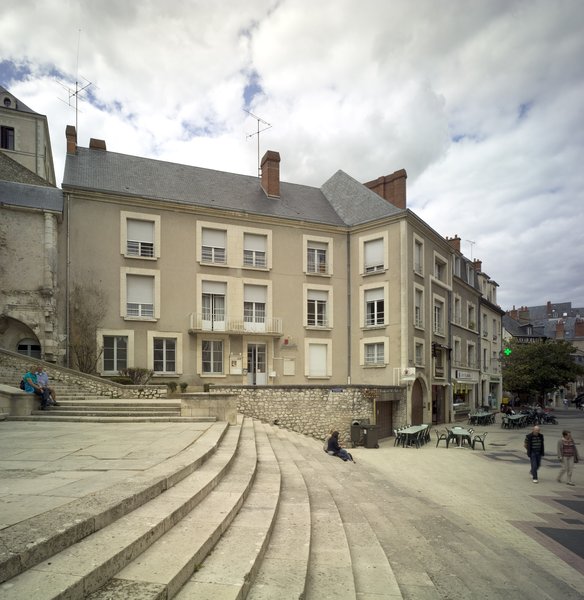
(479, 101)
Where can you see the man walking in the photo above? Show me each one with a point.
(535, 450)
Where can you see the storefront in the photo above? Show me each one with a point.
(464, 390)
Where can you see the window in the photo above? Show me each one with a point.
(316, 310)
(212, 357)
(213, 304)
(418, 308)
(7, 138)
(456, 263)
(438, 363)
(29, 347)
(471, 317)
(438, 317)
(470, 274)
(440, 270)
(374, 307)
(419, 351)
(254, 307)
(373, 251)
(213, 246)
(317, 360)
(485, 325)
(254, 250)
(140, 296)
(115, 353)
(165, 355)
(316, 257)
(374, 354)
(495, 330)
(418, 257)
(140, 238)
(457, 310)
(457, 353)
(470, 355)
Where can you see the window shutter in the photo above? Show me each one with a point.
(255, 293)
(140, 231)
(317, 359)
(254, 242)
(374, 253)
(317, 295)
(214, 287)
(372, 295)
(215, 238)
(140, 289)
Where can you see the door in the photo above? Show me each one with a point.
(417, 403)
(384, 419)
(256, 364)
(214, 312)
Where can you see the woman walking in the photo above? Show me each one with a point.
(568, 455)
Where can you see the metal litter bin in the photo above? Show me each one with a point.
(355, 433)
(370, 436)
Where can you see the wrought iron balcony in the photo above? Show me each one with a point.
(220, 323)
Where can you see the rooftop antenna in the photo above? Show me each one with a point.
(79, 88)
(471, 247)
(267, 126)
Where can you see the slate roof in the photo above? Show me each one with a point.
(341, 200)
(12, 170)
(31, 196)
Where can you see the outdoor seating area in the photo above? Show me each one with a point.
(481, 418)
(412, 436)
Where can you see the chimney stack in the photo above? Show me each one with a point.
(271, 174)
(97, 144)
(478, 265)
(454, 242)
(579, 328)
(71, 135)
(560, 330)
(391, 187)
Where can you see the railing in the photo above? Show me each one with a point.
(226, 324)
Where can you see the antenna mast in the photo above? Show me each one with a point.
(471, 247)
(267, 126)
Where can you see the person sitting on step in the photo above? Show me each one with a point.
(31, 386)
(335, 449)
(43, 381)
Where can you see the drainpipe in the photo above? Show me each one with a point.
(349, 314)
(67, 282)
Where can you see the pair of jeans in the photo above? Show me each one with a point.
(535, 459)
(44, 396)
(567, 467)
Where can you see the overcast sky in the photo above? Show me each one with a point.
(481, 101)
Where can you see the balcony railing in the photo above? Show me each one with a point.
(200, 322)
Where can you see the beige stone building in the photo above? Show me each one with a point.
(30, 213)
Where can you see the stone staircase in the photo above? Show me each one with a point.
(249, 510)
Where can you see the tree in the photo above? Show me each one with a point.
(539, 367)
(87, 311)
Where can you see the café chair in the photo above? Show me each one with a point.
(442, 435)
(480, 438)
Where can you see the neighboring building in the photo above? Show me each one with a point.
(30, 212)
(24, 136)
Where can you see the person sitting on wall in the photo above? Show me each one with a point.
(31, 386)
(43, 381)
(335, 449)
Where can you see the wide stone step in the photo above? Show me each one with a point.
(168, 564)
(283, 571)
(28, 543)
(61, 411)
(84, 567)
(46, 416)
(231, 568)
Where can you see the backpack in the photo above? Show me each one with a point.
(22, 385)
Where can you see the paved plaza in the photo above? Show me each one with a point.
(442, 503)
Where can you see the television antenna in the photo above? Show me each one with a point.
(267, 126)
(79, 88)
(472, 244)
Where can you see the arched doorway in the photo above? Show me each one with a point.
(417, 403)
(18, 337)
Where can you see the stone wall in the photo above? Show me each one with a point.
(311, 410)
(12, 363)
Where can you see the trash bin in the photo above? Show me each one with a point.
(355, 433)
(370, 436)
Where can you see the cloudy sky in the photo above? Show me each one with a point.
(481, 101)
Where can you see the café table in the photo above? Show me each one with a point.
(409, 434)
(481, 418)
(461, 434)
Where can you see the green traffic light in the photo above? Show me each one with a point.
(507, 351)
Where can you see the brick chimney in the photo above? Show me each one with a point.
(579, 328)
(477, 265)
(560, 330)
(391, 187)
(71, 135)
(271, 174)
(97, 144)
(454, 242)
(549, 309)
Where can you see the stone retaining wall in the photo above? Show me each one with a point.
(92, 385)
(310, 410)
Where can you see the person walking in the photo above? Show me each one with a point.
(535, 450)
(568, 455)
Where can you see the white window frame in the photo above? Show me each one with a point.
(318, 242)
(323, 289)
(438, 320)
(363, 309)
(329, 357)
(374, 341)
(155, 274)
(127, 333)
(382, 235)
(457, 312)
(126, 216)
(224, 353)
(419, 343)
(471, 316)
(253, 258)
(178, 341)
(213, 254)
(471, 355)
(418, 260)
(419, 310)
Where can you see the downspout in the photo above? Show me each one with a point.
(349, 314)
(67, 283)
